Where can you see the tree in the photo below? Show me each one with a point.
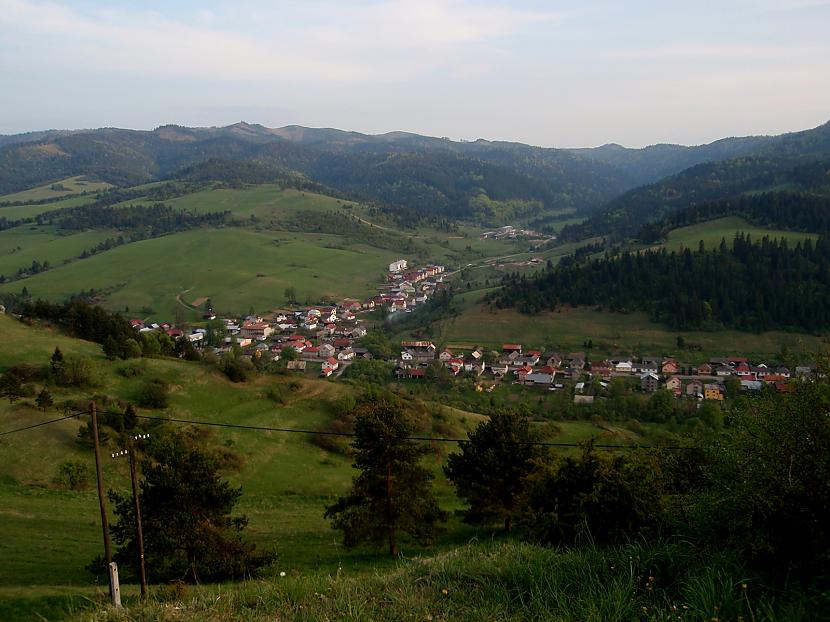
(130, 418)
(56, 362)
(186, 512)
(44, 400)
(393, 491)
(153, 393)
(111, 348)
(490, 470)
(290, 294)
(11, 387)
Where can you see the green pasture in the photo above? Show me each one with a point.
(713, 231)
(569, 328)
(70, 186)
(236, 268)
(20, 246)
(17, 212)
(51, 534)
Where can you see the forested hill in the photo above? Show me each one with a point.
(796, 162)
(760, 285)
(792, 211)
(490, 182)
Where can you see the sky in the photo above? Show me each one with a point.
(553, 73)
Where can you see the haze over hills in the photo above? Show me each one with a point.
(483, 180)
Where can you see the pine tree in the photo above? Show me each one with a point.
(490, 470)
(393, 491)
(110, 347)
(44, 400)
(130, 417)
(11, 387)
(56, 362)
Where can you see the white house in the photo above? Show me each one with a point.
(397, 266)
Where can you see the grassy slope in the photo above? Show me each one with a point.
(222, 264)
(286, 481)
(712, 231)
(30, 211)
(73, 185)
(43, 244)
(568, 329)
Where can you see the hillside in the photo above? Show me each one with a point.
(797, 162)
(490, 182)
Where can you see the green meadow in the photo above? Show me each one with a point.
(236, 268)
(20, 246)
(50, 534)
(16, 212)
(713, 231)
(611, 333)
(62, 188)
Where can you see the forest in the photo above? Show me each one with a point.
(752, 285)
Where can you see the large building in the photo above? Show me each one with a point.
(397, 266)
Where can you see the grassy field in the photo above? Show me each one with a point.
(17, 212)
(51, 534)
(236, 268)
(611, 333)
(20, 246)
(713, 231)
(62, 188)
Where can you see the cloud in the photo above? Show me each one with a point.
(390, 40)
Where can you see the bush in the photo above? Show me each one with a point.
(153, 393)
(73, 475)
(77, 371)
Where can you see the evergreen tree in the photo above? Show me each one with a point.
(130, 418)
(490, 470)
(110, 347)
(11, 387)
(56, 362)
(393, 491)
(186, 512)
(44, 400)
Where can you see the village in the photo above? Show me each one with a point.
(325, 339)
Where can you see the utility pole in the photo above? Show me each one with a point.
(112, 569)
(139, 535)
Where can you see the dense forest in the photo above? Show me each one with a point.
(776, 210)
(795, 162)
(754, 285)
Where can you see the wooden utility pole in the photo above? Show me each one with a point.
(105, 526)
(139, 536)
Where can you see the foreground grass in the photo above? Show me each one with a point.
(496, 581)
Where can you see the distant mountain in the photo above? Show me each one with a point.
(798, 162)
(489, 181)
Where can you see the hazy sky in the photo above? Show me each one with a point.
(562, 74)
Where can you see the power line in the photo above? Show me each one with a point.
(37, 425)
(431, 439)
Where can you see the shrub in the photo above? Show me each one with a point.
(73, 475)
(153, 393)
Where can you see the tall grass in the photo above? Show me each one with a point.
(662, 582)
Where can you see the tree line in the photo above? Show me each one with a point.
(750, 285)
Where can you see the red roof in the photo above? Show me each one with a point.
(416, 373)
(331, 361)
(511, 346)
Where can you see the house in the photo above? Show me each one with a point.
(713, 392)
(694, 389)
(742, 370)
(704, 369)
(602, 369)
(397, 266)
(446, 355)
(510, 348)
(751, 385)
(345, 355)
(622, 366)
(583, 399)
(413, 373)
(331, 364)
(326, 350)
(724, 370)
(455, 365)
(473, 365)
(498, 370)
(422, 351)
(539, 379)
(669, 367)
(649, 366)
(296, 365)
(522, 372)
(531, 359)
(256, 330)
(649, 382)
(675, 385)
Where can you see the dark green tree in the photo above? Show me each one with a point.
(56, 362)
(44, 400)
(393, 491)
(490, 470)
(186, 510)
(111, 348)
(11, 387)
(130, 418)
